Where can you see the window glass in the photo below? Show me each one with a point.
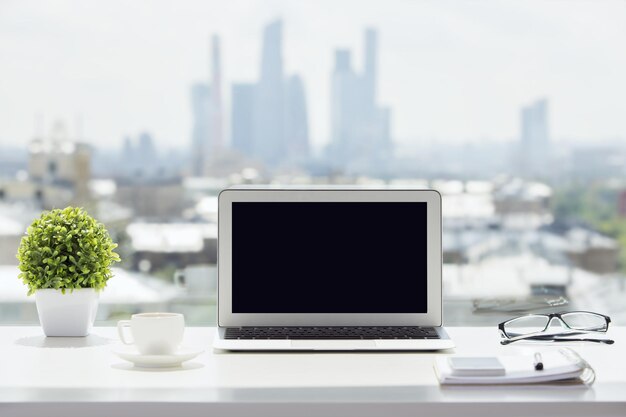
(141, 112)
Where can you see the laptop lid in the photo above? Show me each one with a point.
(331, 257)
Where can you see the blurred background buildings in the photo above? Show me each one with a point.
(529, 223)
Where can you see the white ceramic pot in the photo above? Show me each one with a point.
(69, 314)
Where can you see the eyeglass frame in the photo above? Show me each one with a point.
(552, 316)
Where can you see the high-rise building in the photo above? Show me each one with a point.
(200, 130)
(296, 121)
(269, 118)
(269, 141)
(139, 158)
(216, 109)
(60, 168)
(360, 127)
(147, 150)
(534, 141)
(345, 104)
(207, 134)
(242, 118)
(369, 67)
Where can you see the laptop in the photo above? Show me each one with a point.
(329, 269)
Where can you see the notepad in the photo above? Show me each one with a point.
(560, 366)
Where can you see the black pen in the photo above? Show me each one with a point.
(538, 362)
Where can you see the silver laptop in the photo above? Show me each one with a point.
(329, 269)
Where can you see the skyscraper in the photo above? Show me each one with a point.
(296, 121)
(369, 70)
(217, 113)
(140, 159)
(269, 140)
(360, 128)
(242, 118)
(207, 135)
(269, 117)
(534, 141)
(147, 153)
(345, 105)
(200, 131)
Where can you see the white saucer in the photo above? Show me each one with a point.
(131, 354)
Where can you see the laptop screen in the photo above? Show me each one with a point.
(329, 257)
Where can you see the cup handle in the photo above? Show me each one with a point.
(120, 329)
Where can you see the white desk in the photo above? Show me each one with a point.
(81, 377)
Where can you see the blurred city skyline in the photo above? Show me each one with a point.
(142, 112)
(451, 71)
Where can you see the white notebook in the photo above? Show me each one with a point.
(563, 365)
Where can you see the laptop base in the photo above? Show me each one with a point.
(425, 344)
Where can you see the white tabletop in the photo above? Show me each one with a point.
(81, 376)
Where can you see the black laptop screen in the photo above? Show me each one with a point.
(329, 257)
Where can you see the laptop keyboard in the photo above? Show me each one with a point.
(335, 332)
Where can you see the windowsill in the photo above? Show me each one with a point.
(79, 375)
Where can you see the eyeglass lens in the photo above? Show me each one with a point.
(585, 321)
(525, 325)
(535, 323)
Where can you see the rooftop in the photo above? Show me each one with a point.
(170, 237)
(124, 288)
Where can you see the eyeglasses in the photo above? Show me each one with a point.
(538, 327)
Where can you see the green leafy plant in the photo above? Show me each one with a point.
(66, 249)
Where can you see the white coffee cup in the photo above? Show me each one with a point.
(154, 333)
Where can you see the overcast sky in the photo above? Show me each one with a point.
(451, 70)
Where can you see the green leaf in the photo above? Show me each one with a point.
(66, 249)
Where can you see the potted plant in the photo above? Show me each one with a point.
(65, 260)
